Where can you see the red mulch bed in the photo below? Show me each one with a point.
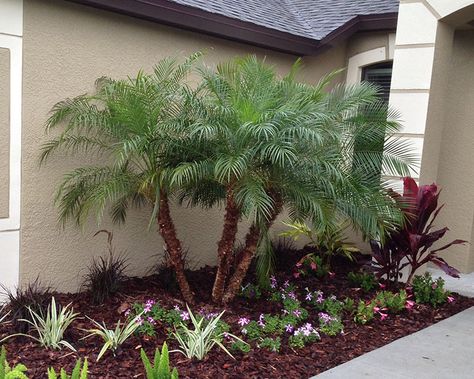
(289, 363)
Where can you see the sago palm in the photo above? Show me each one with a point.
(274, 142)
(126, 123)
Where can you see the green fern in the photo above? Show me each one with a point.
(7, 372)
(79, 372)
(161, 365)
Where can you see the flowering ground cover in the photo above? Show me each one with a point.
(299, 326)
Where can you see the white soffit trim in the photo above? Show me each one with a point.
(358, 61)
(446, 7)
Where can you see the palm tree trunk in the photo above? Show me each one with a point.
(226, 246)
(251, 243)
(173, 246)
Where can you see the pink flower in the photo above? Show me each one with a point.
(434, 285)
(127, 312)
(299, 264)
(243, 321)
(309, 296)
(450, 299)
(261, 320)
(382, 286)
(313, 265)
(286, 284)
(409, 304)
(273, 282)
(151, 320)
(297, 313)
(376, 309)
(296, 275)
(289, 328)
(383, 316)
(184, 316)
(139, 321)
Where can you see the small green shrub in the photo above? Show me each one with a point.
(7, 372)
(366, 281)
(303, 335)
(154, 313)
(392, 302)
(271, 344)
(428, 291)
(365, 312)
(161, 365)
(348, 305)
(311, 265)
(79, 372)
(330, 325)
(240, 346)
(251, 291)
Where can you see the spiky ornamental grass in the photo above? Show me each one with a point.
(32, 296)
(3, 313)
(113, 338)
(50, 328)
(105, 275)
(198, 342)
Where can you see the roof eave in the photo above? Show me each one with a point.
(194, 19)
(198, 20)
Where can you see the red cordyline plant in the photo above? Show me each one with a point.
(412, 245)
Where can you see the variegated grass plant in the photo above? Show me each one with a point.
(199, 342)
(51, 327)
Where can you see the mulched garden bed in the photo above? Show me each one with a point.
(258, 363)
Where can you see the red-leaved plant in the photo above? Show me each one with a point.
(412, 245)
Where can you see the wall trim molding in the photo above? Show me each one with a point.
(357, 62)
(11, 31)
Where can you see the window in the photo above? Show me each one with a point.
(381, 75)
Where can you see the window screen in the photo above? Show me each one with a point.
(381, 75)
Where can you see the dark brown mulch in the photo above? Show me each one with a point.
(318, 357)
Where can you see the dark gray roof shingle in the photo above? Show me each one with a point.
(313, 19)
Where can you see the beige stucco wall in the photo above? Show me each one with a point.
(455, 172)
(66, 47)
(366, 41)
(4, 131)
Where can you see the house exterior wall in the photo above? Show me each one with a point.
(455, 172)
(66, 47)
(432, 88)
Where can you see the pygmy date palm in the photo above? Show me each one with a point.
(274, 142)
(127, 123)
